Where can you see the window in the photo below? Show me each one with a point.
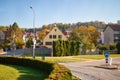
(48, 43)
(54, 36)
(55, 30)
(59, 36)
(50, 36)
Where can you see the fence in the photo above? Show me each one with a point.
(41, 50)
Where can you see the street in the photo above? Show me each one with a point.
(89, 71)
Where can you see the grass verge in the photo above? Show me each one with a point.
(53, 71)
(96, 57)
(60, 59)
(13, 72)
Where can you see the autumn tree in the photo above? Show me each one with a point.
(85, 35)
(16, 35)
(93, 35)
(3, 28)
(43, 33)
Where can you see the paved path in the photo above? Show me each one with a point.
(17, 52)
(88, 71)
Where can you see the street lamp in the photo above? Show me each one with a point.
(34, 40)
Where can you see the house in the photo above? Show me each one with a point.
(112, 33)
(2, 37)
(67, 33)
(54, 35)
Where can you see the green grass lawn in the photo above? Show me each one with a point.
(12, 72)
(60, 59)
(79, 58)
(96, 57)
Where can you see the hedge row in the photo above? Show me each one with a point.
(54, 71)
(66, 48)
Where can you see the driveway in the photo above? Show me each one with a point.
(88, 71)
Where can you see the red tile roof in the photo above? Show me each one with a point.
(115, 27)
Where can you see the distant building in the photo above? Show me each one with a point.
(54, 35)
(67, 33)
(118, 22)
(101, 38)
(112, 33)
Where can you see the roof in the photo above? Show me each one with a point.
(114, 27)
(53, 31)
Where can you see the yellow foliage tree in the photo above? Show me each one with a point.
(87, 35)
(93, 35)
(43, 33)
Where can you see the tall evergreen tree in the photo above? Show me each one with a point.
(118, 47)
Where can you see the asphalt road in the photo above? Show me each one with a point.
(89, 71)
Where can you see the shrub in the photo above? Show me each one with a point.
(66, 48)
(112, 46)
(102, 47)
(54, 71)
(1, 47)
(60, 73)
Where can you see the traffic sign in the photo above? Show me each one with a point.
(106, 54)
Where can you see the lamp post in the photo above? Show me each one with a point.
(81, 48)
(34, 40)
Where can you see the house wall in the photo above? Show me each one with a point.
(108, 35)
(51, 37)
(116, 36)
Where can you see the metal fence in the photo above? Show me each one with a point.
(41, 50)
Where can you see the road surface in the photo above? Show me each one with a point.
(89, 71)
(17, 52)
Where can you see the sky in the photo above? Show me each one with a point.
(57, 11)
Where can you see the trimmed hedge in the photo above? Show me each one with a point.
(54, 71)
(66, 48)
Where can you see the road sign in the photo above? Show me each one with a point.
(106, 54)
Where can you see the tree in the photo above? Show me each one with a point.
(43, 33)
(65, 48)
(16, 35)
(112, 46)
(85, 35)
(74, 35)
(3, 28)
(118, 47)
(29, 43)
(93, 35)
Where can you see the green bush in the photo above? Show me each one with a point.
(1, 47)
(54, 71)
(60, 73)
(65, 48)
(112, 46)
(102, 47)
